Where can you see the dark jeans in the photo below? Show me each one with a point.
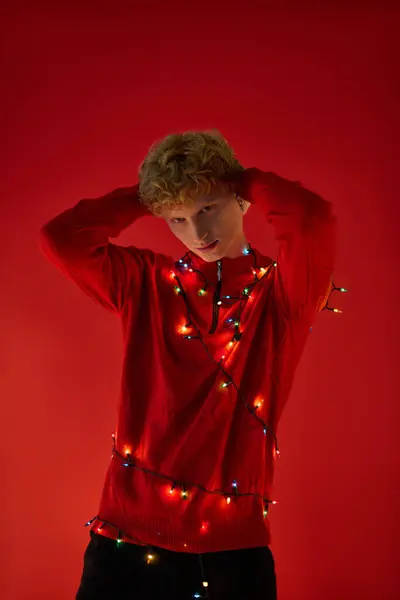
(115, 571)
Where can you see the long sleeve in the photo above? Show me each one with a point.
(305, 229)
(77, 243)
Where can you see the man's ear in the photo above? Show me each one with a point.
(244, 205)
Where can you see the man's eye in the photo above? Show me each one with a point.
(208, 208)
(178, 220)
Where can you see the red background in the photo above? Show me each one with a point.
(308, 92)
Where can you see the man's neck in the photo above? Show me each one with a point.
(236, 249)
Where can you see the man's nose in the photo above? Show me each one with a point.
(199, 235)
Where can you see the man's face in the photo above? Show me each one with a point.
(212, 227)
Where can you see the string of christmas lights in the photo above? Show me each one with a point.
(327, 307)
(185, 265)
(186, 486)
(334, 289)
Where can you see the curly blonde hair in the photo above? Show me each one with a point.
(183, 166)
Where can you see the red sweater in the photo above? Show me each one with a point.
(206, 374)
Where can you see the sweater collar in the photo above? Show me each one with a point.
(230, 267)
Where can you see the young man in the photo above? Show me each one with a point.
(211, 346)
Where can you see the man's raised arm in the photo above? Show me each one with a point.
(305, 229)
(77, 242)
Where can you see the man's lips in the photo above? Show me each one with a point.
(209, 247)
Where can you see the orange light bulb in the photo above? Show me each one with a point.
(258, 402)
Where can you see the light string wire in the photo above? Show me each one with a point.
(186, 263)
(238, 334)
(334, 288)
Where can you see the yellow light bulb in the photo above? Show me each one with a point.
(228, 500)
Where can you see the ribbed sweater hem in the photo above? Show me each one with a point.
(185, 537)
